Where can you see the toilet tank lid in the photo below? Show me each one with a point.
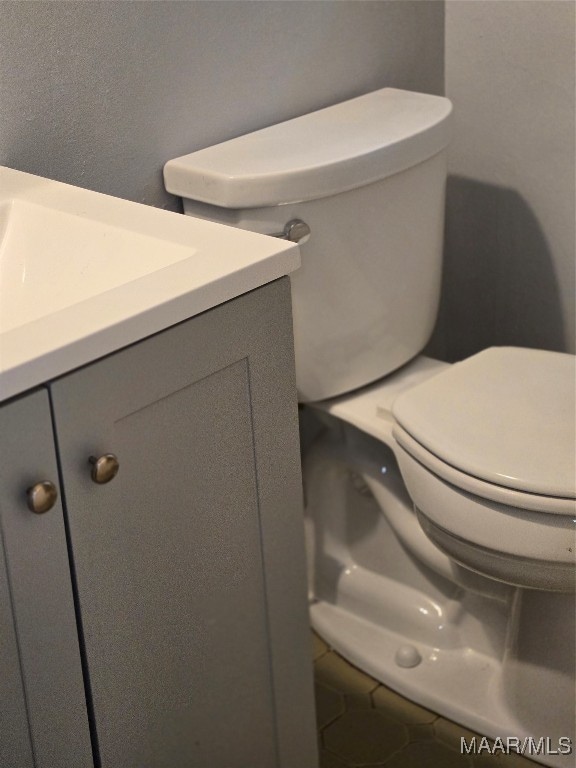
(505, 415)
(322, 153)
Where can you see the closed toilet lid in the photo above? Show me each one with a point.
(506, 416)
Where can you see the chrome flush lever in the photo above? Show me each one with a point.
(296, 231)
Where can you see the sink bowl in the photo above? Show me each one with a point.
(84, 274)
(50, 260)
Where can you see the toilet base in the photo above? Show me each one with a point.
(448, 648)
(461, 685)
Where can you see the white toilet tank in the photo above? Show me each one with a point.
(368, 177)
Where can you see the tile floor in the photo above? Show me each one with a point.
(364, 723)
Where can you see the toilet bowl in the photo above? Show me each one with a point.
(439, 500)
(487, 451)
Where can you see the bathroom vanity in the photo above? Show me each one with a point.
(152, 585)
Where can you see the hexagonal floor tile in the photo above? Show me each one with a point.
(428, 754)
(332, 670)
(328, 760)
(364, 737)
(450, 733)
(319, 647)
(357, 701)
(420, 732)
(386, 700)
(329, 705)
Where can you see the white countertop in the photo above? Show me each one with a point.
(84, 274)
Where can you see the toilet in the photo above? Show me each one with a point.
(440, 500)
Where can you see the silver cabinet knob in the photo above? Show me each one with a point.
(104, 468)
(41, 497)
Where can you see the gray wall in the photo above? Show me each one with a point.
(101, 94)
(509, 270)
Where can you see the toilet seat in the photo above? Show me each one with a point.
(500, 424)
(478, 487)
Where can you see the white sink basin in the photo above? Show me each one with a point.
(50, 260)
(83, 274)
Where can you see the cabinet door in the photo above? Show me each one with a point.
(43, 721)
(170, 556)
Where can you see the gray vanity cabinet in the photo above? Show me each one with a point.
(188, 564)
